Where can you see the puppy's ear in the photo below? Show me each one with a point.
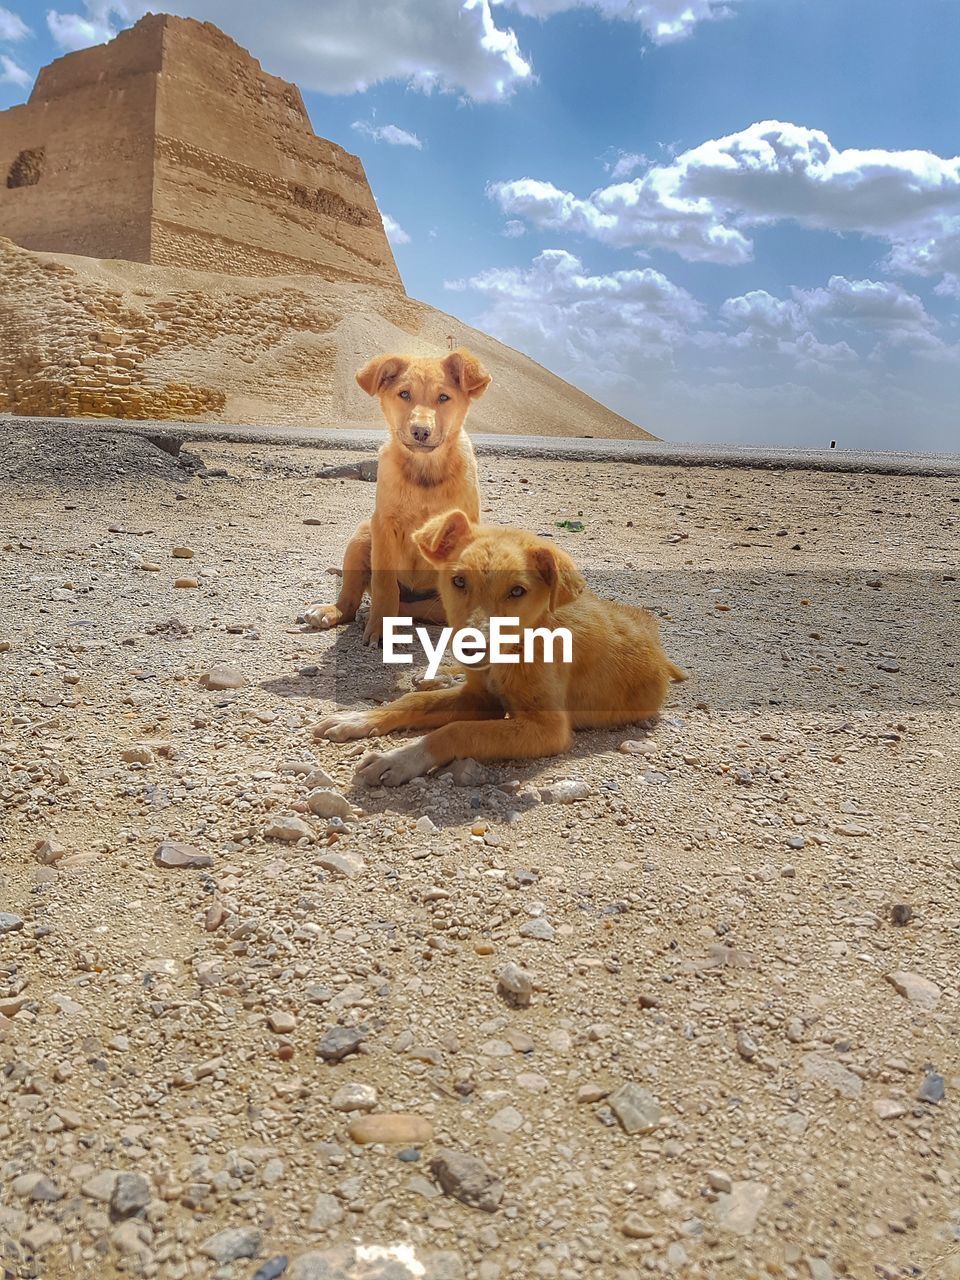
(441, 537)
(559, 573)
(467, 372)
(373, 377)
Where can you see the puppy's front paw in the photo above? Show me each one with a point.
(442, 680)
(344, 726)
(373, 631)
(393, 768)
(321, 617)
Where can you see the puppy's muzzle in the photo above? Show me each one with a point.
(422, 426)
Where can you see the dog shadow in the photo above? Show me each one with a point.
(343, 671)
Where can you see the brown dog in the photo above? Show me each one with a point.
(618, 675)
(426, 466)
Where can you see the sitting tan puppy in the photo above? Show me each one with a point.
(618, 674)
(426, 466)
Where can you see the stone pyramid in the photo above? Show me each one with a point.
(170, 145)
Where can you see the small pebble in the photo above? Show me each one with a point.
(390, 1128)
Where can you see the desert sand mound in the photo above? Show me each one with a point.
(90, 338)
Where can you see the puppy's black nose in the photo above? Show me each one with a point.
(421, 433)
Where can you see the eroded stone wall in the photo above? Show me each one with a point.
(76, 161)
(70, 349)
(171, 145)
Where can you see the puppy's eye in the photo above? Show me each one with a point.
(459, 581)
(404, 395)
(443, 397)
(518, 591)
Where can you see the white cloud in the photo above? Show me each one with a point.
(762, 313)
(869, 303)
(779, 330)
(12, 26)
(700, 204)
(513, 229)
(625, 164)
(949, 286)
(395, 233)
(876, 315)
(662, 20)
(344, 46)
(629, 214)
(853, 359)
(95, 25)
(933, 247)
(598, 330)
(389, 133)
(12, 73)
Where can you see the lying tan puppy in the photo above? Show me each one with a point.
(426, 466)
(618, 674)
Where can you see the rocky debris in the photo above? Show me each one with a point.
(182, 553)
(933, 1089)
(637, 747)
(340, 864)
(326, 803)
(100, 1186)
(636, 1227)
(288, 828)
(467, 1179)
(918, 990)
(376, 1262)
(901, 913)
(190, 584)
(365, 469)
(354, 1097)
(338, 1043)
(636, 1108)
(221, 677)
(717, 1180)
(326, 1213)
(746, 1046)
(833, 1074)
(173, 854)
(130, 1196)
(851, 829)
(35, 1186)
(314, 777)
(737, 1210)
(467, 773)
(232, 1244)
(391, 1129)
(10, 923)
(48, 852)
(566, 791)
(272, 1269)
(539, 928)
(515, 985)
(888, 1108)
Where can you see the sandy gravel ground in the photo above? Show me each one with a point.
(735, 1054)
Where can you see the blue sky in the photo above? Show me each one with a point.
(727, 219)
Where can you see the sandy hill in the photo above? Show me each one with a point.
(85, 337)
